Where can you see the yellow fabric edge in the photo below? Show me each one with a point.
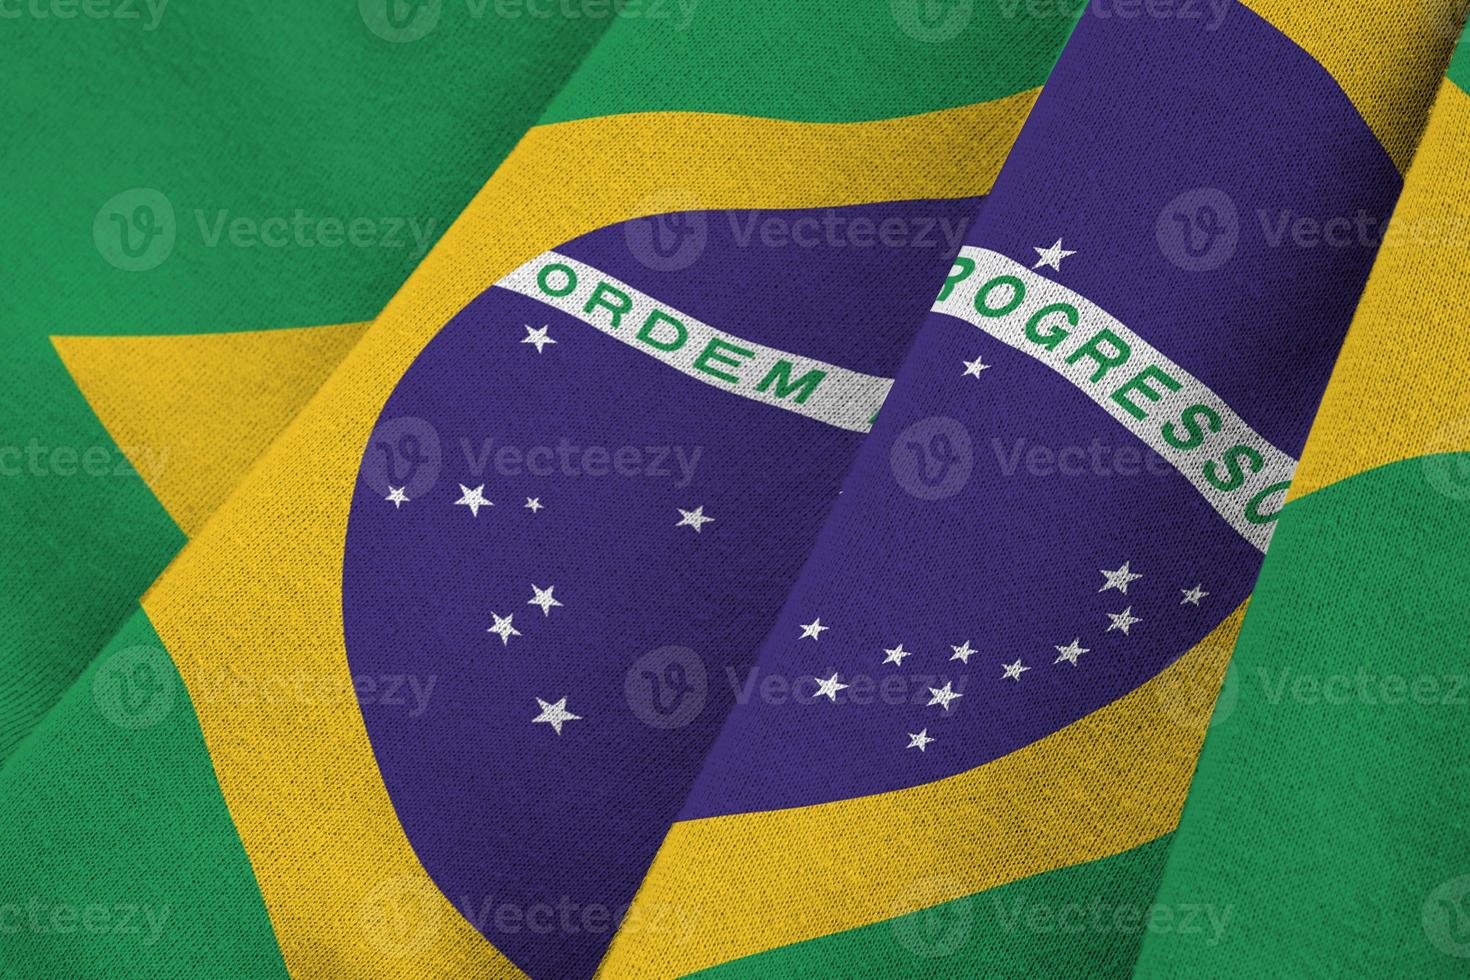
(257, 594)
(1399, 390)
(747, 883)
(1387, 56)
(192, 411)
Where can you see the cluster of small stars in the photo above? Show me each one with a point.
(504, 626)
(474, 499)
(553, 714)
(943, 697)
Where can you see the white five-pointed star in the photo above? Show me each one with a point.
(920, 740)
(533, 504)
(537, 337)
(829, 687)
(543, 598)
(1118, 579)
(896, 655)
(503, 629)
(1122, 620)
(963, 652)
(973, 368)
(693, 518)
(473, 499)
(397, 496)
(1013, 671)
(942, 696)
(1193, 596)
(555, 715)
(813, 629)
(1070, 652)
(1051, 256)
